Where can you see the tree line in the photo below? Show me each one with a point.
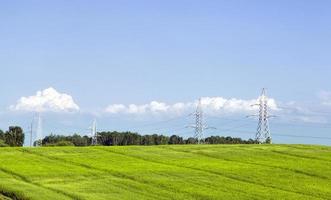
(116, 138)
(14, 137)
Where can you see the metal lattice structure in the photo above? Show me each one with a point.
(39, 133)
(263, 134)
(94, 133)
(199, 125)
(31, 134)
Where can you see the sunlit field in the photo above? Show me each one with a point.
(167, 172)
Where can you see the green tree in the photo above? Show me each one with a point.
(2, 135)
(14, 137)
(191, 141)
(174, 139)
(268, 141)
(2, 139)
(78, 140)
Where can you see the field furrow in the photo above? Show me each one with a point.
(193, 172)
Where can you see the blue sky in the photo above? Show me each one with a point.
(134, 52)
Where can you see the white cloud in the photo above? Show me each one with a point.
(312, 119)
(48, 100)
(307, 113)
(115, 108)
(210, 105)
(233, 105)
(153, 107)
(325, 97)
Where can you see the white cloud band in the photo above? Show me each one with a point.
(210, 104)
(48, 100)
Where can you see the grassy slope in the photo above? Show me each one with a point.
(168, 172)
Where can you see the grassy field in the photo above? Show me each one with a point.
(167, 172)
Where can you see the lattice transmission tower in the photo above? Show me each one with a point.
(39, 133)
(263, 134)
(94, 133)
(199, 125)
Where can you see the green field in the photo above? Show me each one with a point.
(167, 172)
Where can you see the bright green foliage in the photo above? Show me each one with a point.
(167, 172)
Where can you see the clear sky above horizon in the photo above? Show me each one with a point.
(104, 53)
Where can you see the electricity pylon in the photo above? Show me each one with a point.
(39, 134)
(199, 125)
(263, 134)
(94, 133)
(31, 133)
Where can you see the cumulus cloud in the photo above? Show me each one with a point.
(233, 105)
(152, 107)
(48, 100)
(210, 105)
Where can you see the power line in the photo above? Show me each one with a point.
(226, 118)
(233, 128)
(160, 128)
(170, 129)
(302, 136)
(306, 112)
(312, 125)
(158, 122)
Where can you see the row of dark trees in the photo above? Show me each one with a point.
(128, 138)
(61, 140)
(14, 137)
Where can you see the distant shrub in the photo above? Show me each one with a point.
(76, 140)
(3, 144)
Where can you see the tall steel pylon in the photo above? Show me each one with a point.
(94, 133)
(31, 131)
(199, 125)
(263, 134)
(39, 134)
